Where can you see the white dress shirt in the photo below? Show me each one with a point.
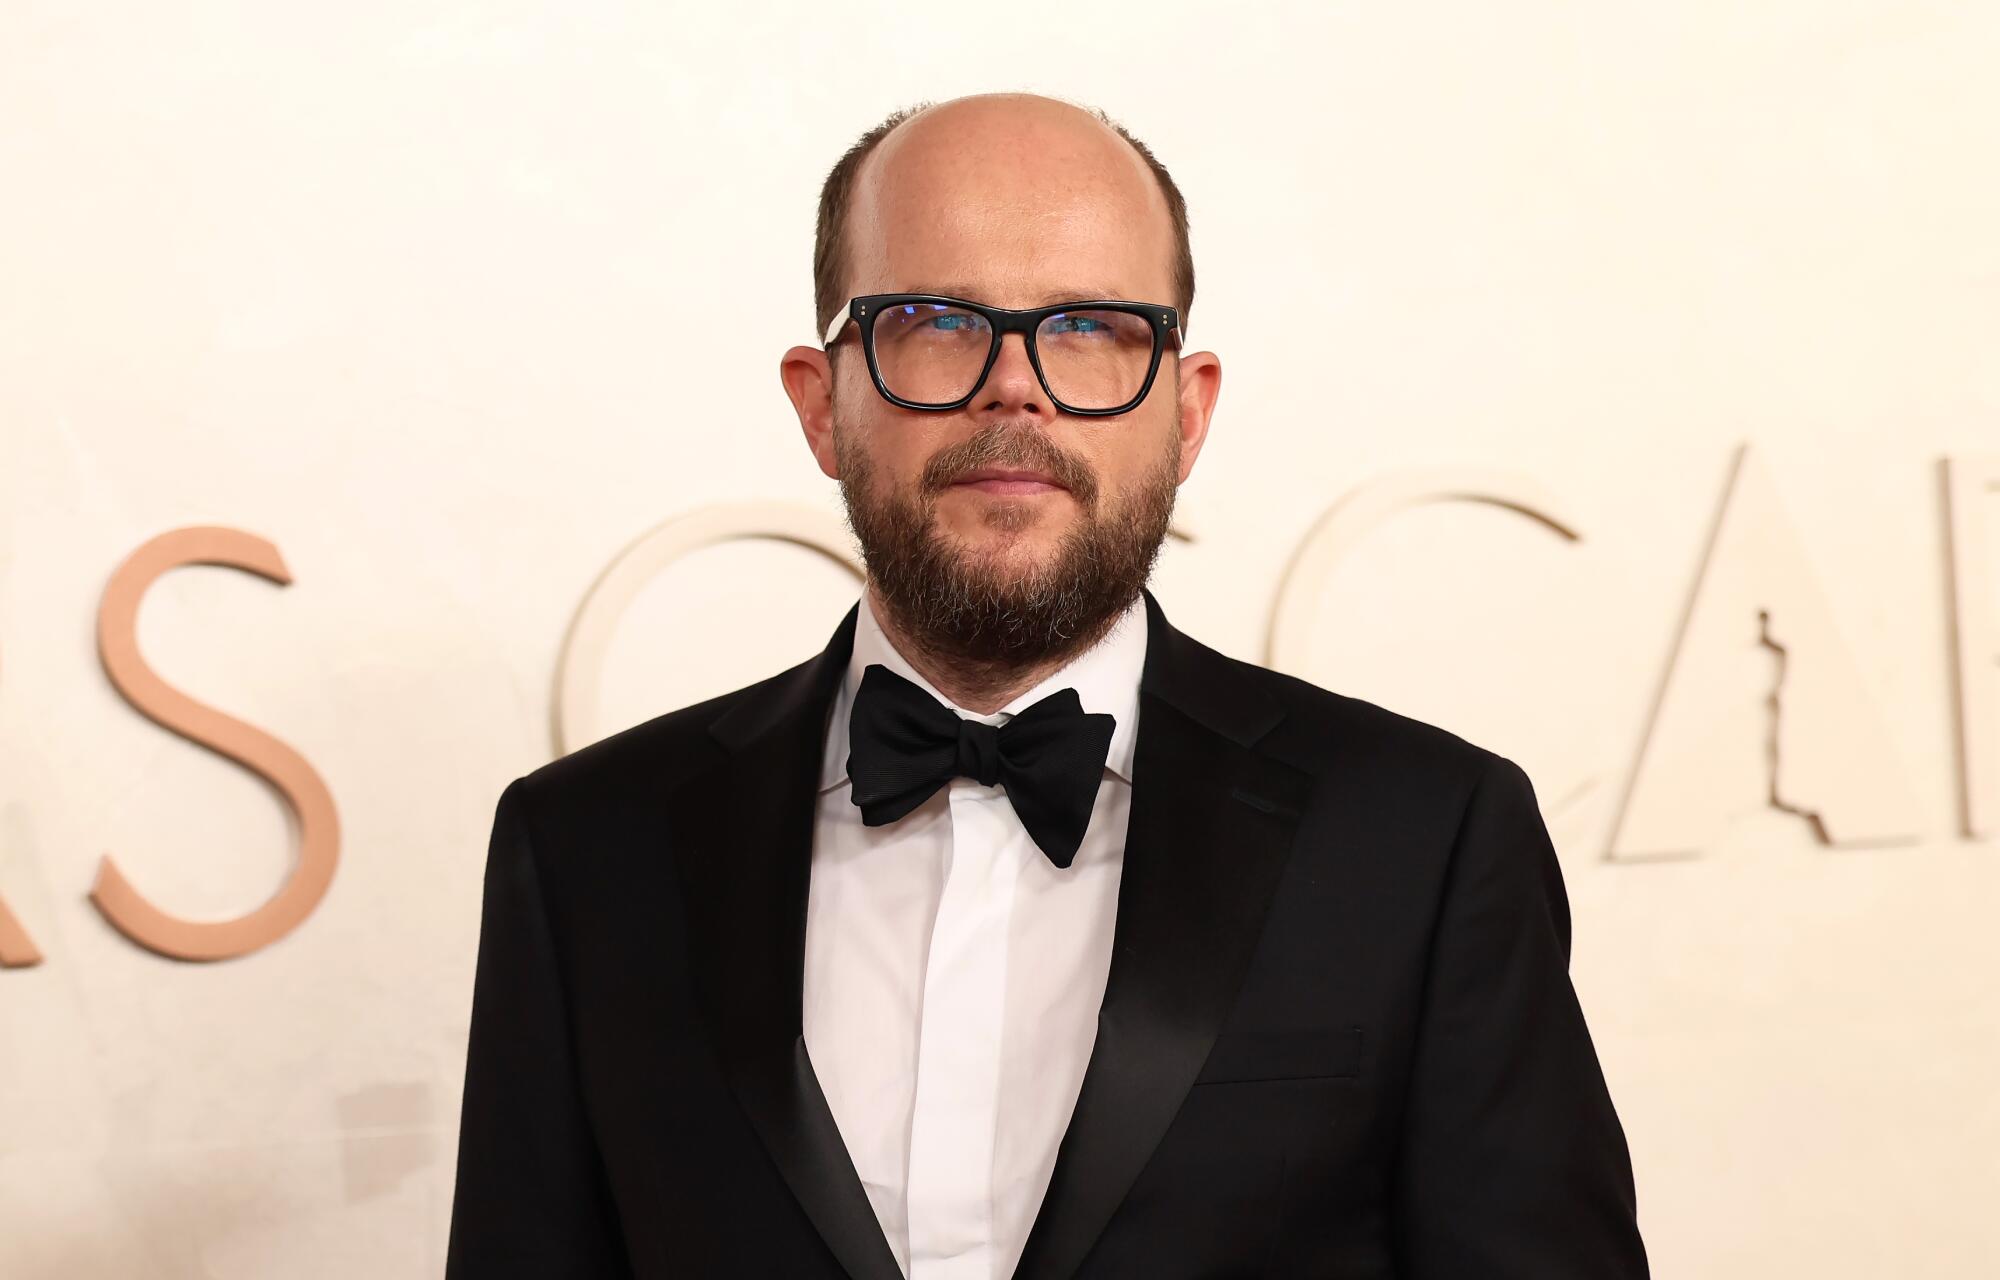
(953, 976)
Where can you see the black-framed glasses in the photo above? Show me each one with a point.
(927, 351)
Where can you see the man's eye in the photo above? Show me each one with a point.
(1077, 324)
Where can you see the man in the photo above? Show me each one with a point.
(1018, 933)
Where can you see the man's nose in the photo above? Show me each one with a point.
(1011, 387)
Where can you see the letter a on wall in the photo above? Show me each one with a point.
(1762, 706)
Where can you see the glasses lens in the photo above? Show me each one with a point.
(928, 353)
(1095, 359)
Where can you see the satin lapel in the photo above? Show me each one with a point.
(742, 838)
(1212, 822)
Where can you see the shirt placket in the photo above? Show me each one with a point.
(950, 1182)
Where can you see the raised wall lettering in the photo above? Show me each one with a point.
(319, 826)
(1969, 487)
(1760, 704)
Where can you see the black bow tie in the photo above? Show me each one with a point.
(904, 744)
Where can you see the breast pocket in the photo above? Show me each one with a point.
(1303, 1053)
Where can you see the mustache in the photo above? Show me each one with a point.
(1004, 445)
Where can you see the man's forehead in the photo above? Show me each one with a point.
(1019, 292)
(1021, 261)
(1009, 193)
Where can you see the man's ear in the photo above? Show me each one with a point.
(808, 378)
(1201, 383)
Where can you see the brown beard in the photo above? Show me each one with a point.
(954, 605)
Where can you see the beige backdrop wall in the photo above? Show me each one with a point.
(452, 302)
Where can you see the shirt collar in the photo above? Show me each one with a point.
(1105, 676)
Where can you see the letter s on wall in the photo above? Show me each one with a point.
(284, 768)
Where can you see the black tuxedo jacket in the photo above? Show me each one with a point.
(1338, 1037)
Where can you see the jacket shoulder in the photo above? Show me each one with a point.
(646, 760)
(1324, 729)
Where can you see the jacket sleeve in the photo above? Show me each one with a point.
(531, 1198)
(1513, 1163)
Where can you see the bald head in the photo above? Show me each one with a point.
(1016, 193)
(1005, 531)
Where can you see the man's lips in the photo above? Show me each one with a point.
(1008, 480)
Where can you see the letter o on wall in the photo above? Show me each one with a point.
(574, 715)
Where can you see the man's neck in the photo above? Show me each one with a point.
(978, 687)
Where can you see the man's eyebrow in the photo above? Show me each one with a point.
(971, 294)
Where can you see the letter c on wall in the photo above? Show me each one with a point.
(1360, 511)
(282, 767)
